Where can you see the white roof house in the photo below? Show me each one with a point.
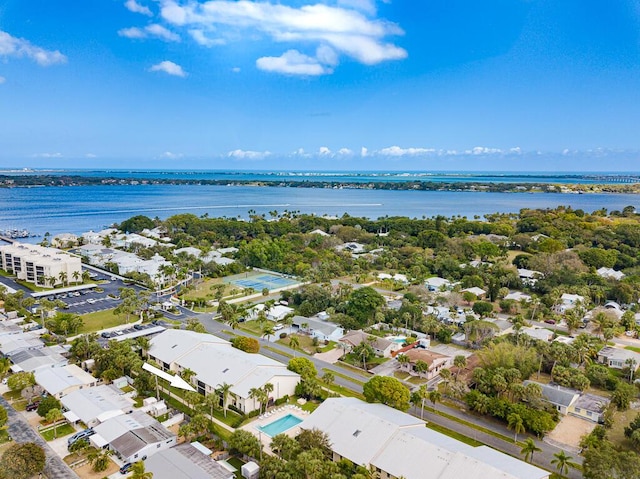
(400, 445)
(323, 330)
(278, 312)
(436, 284)
(95, 405)
(518, 296)
(64, 380)
(185, 462)
(529, 276)
(479, 292)
(133, 437)
(31, 360)
(570, 301)
(189, 250)
(610, 273)
(535, 332)
(216, 362)
(617, 358)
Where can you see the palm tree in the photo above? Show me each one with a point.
(459, 362)
(294, 343)
(563, 462)
(63, 277)
(529, 449)
(423, 393)
(99, 459)
(328, 378)
(267, 331)
(139, 471)
(403, 360)
(86, 276)
(434, 397)
(76, 276)
(515, 423)
(53, 416)
(224, 390)
(187, 374)
(211, 401)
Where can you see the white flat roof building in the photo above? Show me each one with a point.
(39, 265)
(216, 362)
(64, 380)
(399, 445)
(95, 405)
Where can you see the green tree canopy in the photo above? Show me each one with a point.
(22, 460)
(387, 390)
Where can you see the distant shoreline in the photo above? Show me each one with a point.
(34, 181)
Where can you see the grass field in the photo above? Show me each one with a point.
(101, 320)
(61, 431)
(621, 419)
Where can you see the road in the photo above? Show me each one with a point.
(282, 354)
(21, 431)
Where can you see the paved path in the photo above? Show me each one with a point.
(21, 431)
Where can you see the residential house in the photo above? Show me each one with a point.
(132, 437)
(435, 362)
(95, 405)
(479, 292)
(529, 277)
(437, 284)
(618, 358)
(185, 461)
(63, 380)
(30, 360)
(535, 332)
(215, 362)
(323, 330)
(381, 347)
(610, 273)
(569, 301)
(518, 296)
(574, 402)
(395, 444)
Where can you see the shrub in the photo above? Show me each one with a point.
(283, 335)
(246, 344)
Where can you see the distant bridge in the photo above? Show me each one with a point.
(616, 178)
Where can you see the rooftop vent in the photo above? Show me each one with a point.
(357, 433)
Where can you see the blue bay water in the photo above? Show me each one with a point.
(83, 208)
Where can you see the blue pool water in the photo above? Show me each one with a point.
(280, 425)
(397, 339)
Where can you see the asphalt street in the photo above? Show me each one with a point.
(21, 431)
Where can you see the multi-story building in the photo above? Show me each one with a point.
(45, 267)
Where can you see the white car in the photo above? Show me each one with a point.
(278, 327)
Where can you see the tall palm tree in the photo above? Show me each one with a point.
(53, 416)
(434, 397)
(267, 331)
(529, 449)
(63, 277)
(76, 276)
(224, 390)
(515, 423)
(563, 462)
(294, 343)
(459, 362)
(139, 472)
(403, 360)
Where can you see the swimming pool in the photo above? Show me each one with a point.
(397, 339)
(280, 425)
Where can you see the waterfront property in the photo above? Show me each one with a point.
(396, 444)
(44, 267)
(215, 362)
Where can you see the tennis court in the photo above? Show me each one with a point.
(262, 280)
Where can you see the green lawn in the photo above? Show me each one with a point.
(61, 430)
(632, 348)
(237, 463)
(306, 343)
(621, 419)
(102, 320)
(454, 434)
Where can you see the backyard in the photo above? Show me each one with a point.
(101, 320)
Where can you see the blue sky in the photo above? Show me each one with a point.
(321, 84)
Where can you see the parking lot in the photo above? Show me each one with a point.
(84, 301)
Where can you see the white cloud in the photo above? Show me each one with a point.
(236, 69)
(202, 39)
(47, 155)
(342, 29)
(153, 30)
(293, 62)
(171, 156)
(19, 47)
(367, 6)
(345, 151)
(324, 151)
(91, 155)
(364, 151)
(517, 150)
(2, 80)
(483, 150)
(248, 154)
(169, 68)
(135, 7)
(397, 151)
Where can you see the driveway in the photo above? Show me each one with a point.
(330, 356)
(21, 431)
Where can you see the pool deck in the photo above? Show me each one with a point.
(273, 415)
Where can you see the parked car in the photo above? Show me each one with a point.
(550, 321)
(32, 406)
(80, 435)
(124, 469)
